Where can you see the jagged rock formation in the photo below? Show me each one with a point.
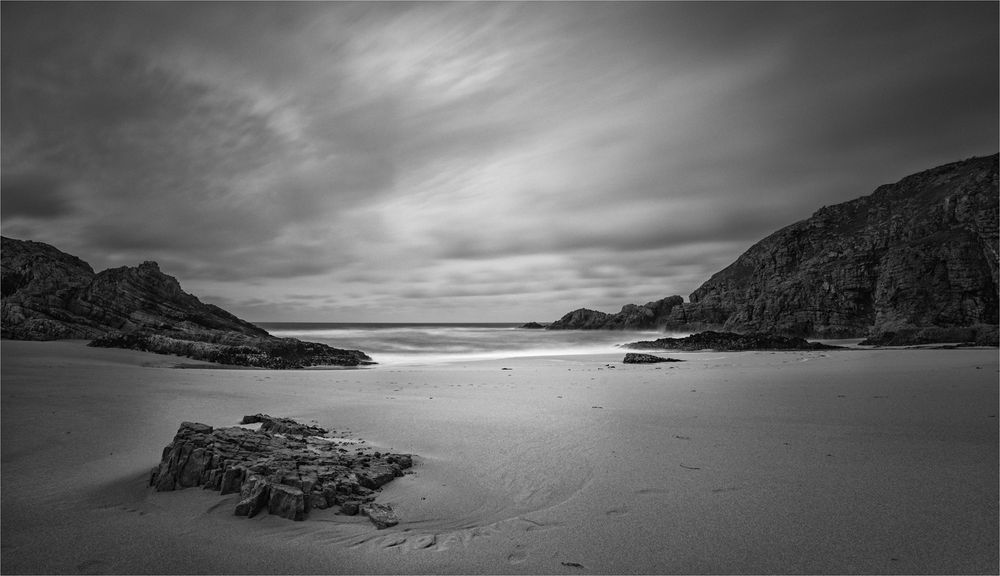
(284, 467)
(649, 316)
(532, 326)
(922, 252)
(258, 352)
(636, 358)
(729, 342)
(48, 295)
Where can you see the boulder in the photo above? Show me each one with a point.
(381, 515)
(286, 473)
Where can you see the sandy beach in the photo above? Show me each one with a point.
(874, 461)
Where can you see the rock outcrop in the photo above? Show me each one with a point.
(649, 316)
(284, 467)
(50, 295)
(922, 252)
(636, 358)
(729, 342)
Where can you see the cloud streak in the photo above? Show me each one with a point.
(468, 161)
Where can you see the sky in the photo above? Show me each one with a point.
(468, 162)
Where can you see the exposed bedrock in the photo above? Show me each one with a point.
(48, 295)
(285, 468)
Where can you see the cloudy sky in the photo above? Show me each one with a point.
(468, 161)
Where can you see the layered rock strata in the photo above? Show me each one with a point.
(729, 342)
(48, 294)
(284, 468)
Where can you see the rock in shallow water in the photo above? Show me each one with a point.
(284, 467)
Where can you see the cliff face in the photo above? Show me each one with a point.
(50, 295)
(920, 252)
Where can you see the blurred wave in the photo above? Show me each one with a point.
(435, 343)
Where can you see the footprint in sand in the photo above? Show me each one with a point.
(393, 541)
(423, 542)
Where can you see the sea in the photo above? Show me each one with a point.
(410, 344)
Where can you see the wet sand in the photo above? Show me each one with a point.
(756, 462)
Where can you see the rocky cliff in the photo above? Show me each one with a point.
(918, 253)
(48, 294)
(649, 316)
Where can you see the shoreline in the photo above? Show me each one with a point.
(879, 461)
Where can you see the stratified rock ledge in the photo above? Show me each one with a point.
(729, 342)
(284, 467)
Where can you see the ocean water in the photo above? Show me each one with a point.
(395, 344)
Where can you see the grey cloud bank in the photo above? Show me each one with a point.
(468, 161)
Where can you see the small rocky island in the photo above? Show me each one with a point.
(50, 295)
(284, 467)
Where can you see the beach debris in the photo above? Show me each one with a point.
(572, 564)
(284, 467)
(635, 358)
(690, 467)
